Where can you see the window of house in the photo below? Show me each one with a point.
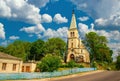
(27, 68)
(22, 68)
(14, 67)
(4, 66)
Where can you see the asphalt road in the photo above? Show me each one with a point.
(101, 76)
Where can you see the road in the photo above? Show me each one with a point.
(101, 76)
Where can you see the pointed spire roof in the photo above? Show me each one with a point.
(73, 21)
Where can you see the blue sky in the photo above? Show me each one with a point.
(30, 20)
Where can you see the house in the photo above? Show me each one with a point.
(10, 64)
(29, 66)
(76, 49)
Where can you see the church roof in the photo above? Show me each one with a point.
(6, 56)
(73, 21)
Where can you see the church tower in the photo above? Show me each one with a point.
(76, 49)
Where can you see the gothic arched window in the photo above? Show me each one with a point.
(73, 34)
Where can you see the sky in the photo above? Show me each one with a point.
(29, 20)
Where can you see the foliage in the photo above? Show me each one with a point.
(2, 49)
(71, 64)
(49, 63)
(36, 50)
(118, 63)
(97, 46)
(55, 46)
(19, 49)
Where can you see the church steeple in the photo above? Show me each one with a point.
(73, 21)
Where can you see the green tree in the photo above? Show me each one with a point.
(118, 63)
(49, 63)
(97, 46)
(19, 49)
(55, 46)
(2, 49)
(37, 50)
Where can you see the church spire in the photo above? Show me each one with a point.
(73, 21)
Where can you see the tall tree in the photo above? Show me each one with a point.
(97, 46)
(55, 46)
(19, 49)
(37, 50)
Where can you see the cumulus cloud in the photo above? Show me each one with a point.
(33, 29)
(99, 10)
(38, 3)
(83, 28)
(46, 18)
(60, 32)
(59, 19)
(84, 18)
(40, 32)
(2, 31)
(14, 37)
(19, 10)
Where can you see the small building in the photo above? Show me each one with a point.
(9, 64)
(29, 67)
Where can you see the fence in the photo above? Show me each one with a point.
(18, 76)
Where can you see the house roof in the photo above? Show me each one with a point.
(7, 56)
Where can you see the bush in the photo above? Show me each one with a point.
(71, 64)
(49, 63)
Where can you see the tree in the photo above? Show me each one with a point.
(49, 63)
(19, 49)
(37, 50)
(118, 63)
(55, 46)
(2, 49)
(97, 46)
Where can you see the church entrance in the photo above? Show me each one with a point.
(72, 57)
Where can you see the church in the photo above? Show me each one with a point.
(76, 50)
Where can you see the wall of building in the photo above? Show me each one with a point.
(28, 67)
(9, 66)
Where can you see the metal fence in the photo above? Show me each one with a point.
(37, 75)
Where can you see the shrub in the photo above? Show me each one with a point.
(49, 63)
(71, 64)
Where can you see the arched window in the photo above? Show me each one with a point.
(70, 34)
(71, 45)
(73, 34)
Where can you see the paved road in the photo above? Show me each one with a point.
(101, 76)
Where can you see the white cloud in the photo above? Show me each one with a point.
(14, 37)
(99, 10)
(4, 43)
(38, 3)
(46, 18)
(83, 28)
(101, 21)
(19, 10)
(84, 18)
(61, 32)
(33, 29)
(5, 11)
(2, 32)
(59, 19)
